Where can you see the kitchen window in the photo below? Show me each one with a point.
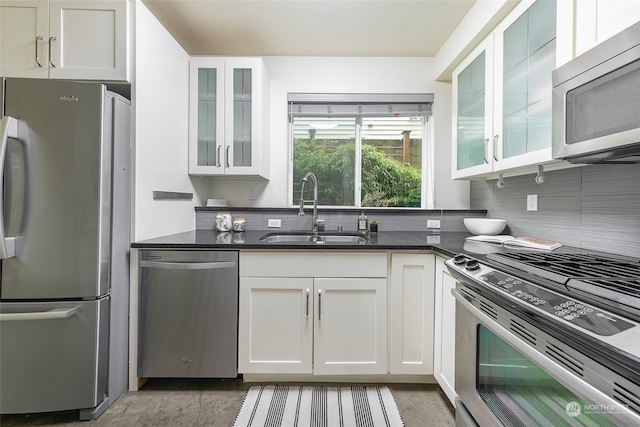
(366, 150)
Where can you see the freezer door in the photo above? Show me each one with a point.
(53, 356)
(57, 192)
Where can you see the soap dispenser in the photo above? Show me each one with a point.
(363, 223)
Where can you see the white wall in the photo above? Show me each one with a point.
(160, 92)
(346, 75)
(476, 25)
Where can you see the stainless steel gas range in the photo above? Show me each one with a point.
(547, 339)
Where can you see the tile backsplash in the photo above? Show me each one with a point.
(388, 219)
(595, 207)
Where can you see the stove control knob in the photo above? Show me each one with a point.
(459, 259)
(472, 265)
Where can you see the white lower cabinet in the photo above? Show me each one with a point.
(350, 326)
(275, 325)
(412, 314)
(320, 324)
(445, 331)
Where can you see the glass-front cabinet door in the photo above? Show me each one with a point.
(241, 108)
(522, 114)
(531, 44)
(473, 112)
(228, 125)
(207, 117)
(519, 55)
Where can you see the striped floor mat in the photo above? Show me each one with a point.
(292, 406)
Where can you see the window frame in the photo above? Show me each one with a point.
(427, 159)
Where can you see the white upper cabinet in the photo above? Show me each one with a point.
(24, 33)
(502, 92)
(598, 20)
(473, 112)
(228, 117)
(79, 40)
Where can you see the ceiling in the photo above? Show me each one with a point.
(383, 28)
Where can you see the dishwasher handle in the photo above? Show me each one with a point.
(172, 265)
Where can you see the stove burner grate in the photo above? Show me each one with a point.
(567, 266)
(627, 287)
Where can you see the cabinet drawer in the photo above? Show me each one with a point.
(313, 264)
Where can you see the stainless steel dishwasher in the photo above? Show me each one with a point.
(188, 314)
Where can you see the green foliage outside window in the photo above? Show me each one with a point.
(388, 183)
(385, 182)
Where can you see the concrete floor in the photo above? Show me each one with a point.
(215, 403)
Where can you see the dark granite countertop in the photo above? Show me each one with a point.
(446, 243)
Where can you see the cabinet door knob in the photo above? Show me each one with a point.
(486, 148)
(218, 156)
(38, 39)
(227, 156)
(51, 40)
(495, 147)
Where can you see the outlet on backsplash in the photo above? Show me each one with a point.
(274, 223)
(532, 202)
(433, 223)
(252, 193)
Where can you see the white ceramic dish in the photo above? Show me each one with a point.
(486, 226)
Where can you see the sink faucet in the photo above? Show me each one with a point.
(314, 223)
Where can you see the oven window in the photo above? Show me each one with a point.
(518, 392)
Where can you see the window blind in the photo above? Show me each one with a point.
(358, 105)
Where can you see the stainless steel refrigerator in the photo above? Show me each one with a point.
(64, 245)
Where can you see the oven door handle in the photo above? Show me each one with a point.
(588, 393)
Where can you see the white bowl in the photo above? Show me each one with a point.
(485, 226)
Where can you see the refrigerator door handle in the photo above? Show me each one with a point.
(8, 129)
(56, 313)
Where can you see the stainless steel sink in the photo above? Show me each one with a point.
(284, 238)
(317, 238)
(335, 238)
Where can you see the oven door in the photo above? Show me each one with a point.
(503, 380)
